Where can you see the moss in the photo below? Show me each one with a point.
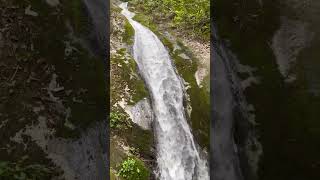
(146, 21)
(199, 99)
(128, 73)
(166, 42)
(128, 33)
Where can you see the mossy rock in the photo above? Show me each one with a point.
(128, 33)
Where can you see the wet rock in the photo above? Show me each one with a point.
(287, 43)
(29, 12)
(184, 56)
(53, 3)
(141, 114)
(1, 40)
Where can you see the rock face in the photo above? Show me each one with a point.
(224, 158)
(98, 13)
(53, 76)
(279, 42)
(141, 114)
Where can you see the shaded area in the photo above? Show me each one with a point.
(53, 88)
(286, 113)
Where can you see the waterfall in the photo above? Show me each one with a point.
(178, 157)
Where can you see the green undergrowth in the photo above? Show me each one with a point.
(191, 17)
(133, 169)
(119, 120)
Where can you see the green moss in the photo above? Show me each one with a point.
(129, 74)
(199, 98)
(146, 21)
(128, 33)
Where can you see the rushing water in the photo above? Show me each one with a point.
(177, 155)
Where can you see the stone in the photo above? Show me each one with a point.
(29, 12)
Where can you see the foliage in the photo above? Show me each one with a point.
(192, 15)
(119, 120)
(21, 171)
(133, 169)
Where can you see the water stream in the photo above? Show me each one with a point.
(178, 156)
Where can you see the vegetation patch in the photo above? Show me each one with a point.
(128, 33)
(119, 120)
(133, 169)
(126, 77)
(189, 16)
(21, 170)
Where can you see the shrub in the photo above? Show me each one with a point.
(133, 169)
(191, 15)
(20, 171)
(119, 120)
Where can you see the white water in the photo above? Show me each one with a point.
(177, 155)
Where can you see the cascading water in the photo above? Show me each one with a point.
(177, 155)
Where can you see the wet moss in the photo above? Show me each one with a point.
(128, 33)
(146, 21)
(128, 73)
(199, 100)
